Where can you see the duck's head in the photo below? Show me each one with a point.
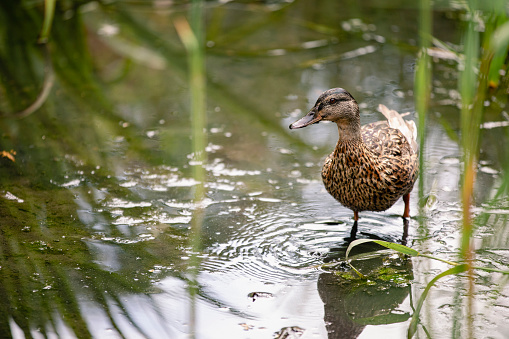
(336, 105)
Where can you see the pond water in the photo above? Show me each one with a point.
(96, 211)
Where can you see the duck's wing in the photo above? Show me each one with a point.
(383, 140)
(407, 127)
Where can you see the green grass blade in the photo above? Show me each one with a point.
(49, 11)
(393, 246)
(415, 317)
(500, 39)
(398, 247)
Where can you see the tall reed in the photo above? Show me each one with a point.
(422, 90)
(471, 115)
(192, 38)
(422, 84)
(49, 12)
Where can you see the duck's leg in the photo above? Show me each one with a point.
(406, 200)
(355, 216)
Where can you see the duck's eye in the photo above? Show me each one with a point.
(332, 101)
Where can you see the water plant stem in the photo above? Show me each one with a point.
(192, 38)
(422, 84)
(49, 11)
(471, 115)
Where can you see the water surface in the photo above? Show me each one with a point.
(96, 210)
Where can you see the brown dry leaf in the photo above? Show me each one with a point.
(246, 327)
(10, 155)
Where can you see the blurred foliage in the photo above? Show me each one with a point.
(48, 262)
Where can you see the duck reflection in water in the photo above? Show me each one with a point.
(372, 166)
(351, 304)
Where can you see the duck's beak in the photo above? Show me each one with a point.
(311, 118)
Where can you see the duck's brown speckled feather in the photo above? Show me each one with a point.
(373, 174)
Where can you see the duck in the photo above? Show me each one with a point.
(372, 166)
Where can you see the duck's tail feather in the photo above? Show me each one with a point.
(407, 127)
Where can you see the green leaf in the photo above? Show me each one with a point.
(415, 317)
(398, 247)
(500, 39)
(393, 246)
(49, 11)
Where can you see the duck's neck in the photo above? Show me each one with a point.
(349, 135)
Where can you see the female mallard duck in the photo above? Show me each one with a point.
(373, 165)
